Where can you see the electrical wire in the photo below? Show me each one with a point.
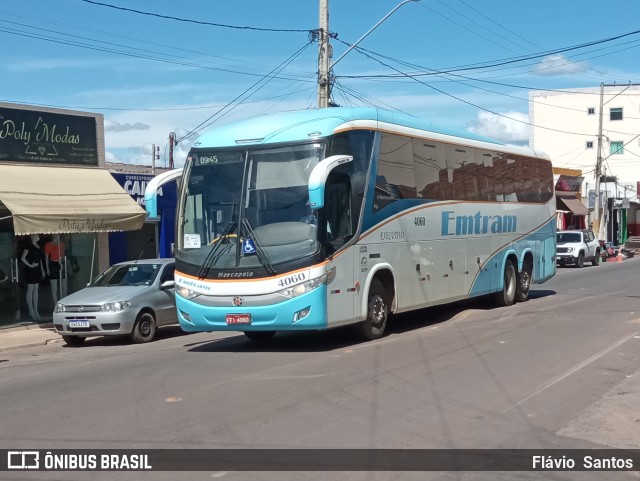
(248, 92)
(198, 22)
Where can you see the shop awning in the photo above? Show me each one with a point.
(574, 205)
(49, 200)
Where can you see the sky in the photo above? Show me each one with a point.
(153, 67)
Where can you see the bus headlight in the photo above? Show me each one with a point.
(304, 287)
(186, 292)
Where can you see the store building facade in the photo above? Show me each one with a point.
(156, 237)
(56, 196)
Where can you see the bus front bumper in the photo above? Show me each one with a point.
(305, 312)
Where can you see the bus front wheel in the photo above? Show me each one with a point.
(507, 295)
(377, 311)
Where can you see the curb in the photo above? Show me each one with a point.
(25, 336)
(31, 344)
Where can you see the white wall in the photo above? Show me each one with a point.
(558, 116)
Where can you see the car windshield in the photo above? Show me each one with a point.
(127, 275)
(564, 237)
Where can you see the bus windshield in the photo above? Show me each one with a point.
(254, 203)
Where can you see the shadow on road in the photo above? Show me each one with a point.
(540, 293)
(165, 332)
(344, 337)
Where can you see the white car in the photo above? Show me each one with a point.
(130, 298)
(577, 247)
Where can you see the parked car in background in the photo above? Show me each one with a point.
(130, 298)
(577, 247)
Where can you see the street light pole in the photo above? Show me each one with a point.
(324, 68)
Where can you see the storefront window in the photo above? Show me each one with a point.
(70, 259)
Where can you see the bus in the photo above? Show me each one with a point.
(309, 220)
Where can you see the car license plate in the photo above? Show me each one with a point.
(238, 319)
(78, 323)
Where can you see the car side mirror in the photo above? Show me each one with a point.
(167, 285)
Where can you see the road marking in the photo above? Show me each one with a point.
(574, 369)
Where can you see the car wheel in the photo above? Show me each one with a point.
(377, 312)
(259, 336)
(580, 261)
(596, 259)
(507, 295)
(144, 329)
(74, 341)
(524, 282)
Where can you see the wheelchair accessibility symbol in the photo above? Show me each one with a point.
(248, 247)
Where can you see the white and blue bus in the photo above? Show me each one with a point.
(313, 219)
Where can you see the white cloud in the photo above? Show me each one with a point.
(558, 64)
(508, 127)
(111, 126)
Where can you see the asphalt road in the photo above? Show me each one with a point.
(559, 371)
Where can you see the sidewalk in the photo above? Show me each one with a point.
(27, 336)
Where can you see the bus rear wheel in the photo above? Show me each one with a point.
(259, 336)
(377, 312)
(524, 282)
(507, 295)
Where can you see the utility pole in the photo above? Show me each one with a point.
(172, 139)
(596, 213)
(324, 55)
(155, 155)
(325, 51)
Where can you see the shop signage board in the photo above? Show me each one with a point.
(135, 185)
(46, 137)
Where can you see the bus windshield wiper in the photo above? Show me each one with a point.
(262, 255)
(211, 256)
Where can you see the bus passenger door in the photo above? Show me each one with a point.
(336, 227)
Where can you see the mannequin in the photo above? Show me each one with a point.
(56, 264)
(32, 258)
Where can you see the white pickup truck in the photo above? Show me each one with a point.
(577, 246)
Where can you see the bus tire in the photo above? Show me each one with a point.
(507, 295)
(524, 282)
(377, 312)
(259, 336)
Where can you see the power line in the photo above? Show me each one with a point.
(199, 22)
(470, 103)
(143, 54)
(485, 65)
(228, 107)
(498, 24)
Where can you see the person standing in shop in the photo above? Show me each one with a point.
(34, 273)
(56, 266)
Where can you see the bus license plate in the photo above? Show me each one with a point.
(238, 319)
(78, 323)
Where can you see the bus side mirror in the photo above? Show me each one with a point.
(318, 178)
